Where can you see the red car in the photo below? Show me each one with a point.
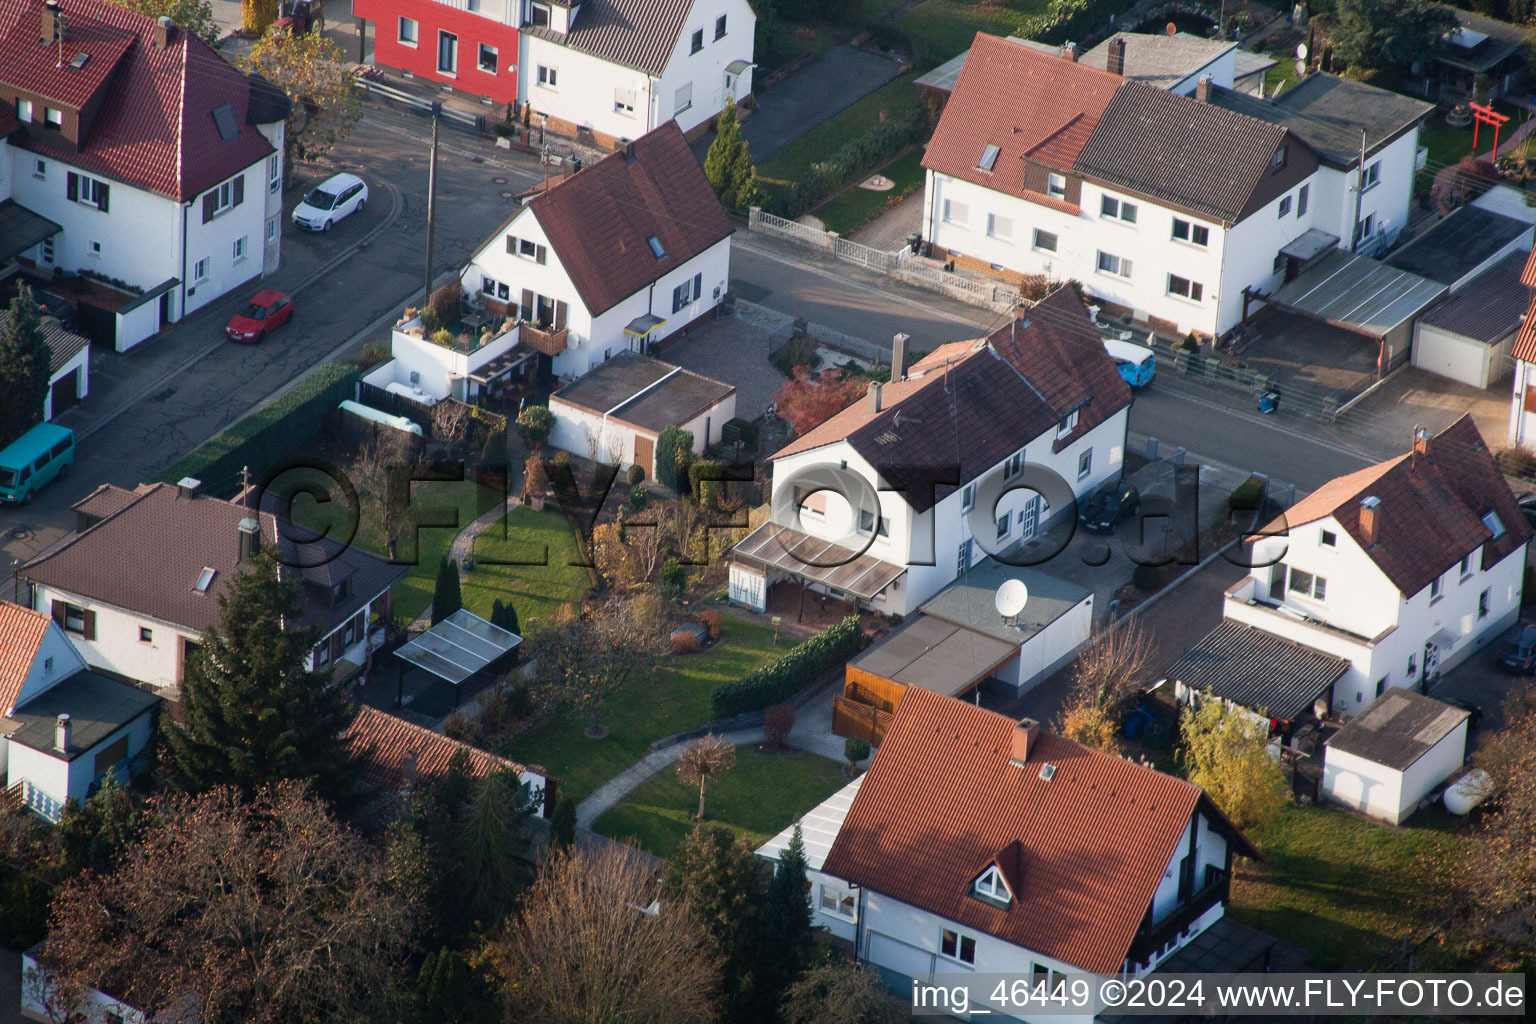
(263, 314)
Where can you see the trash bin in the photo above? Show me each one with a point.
(1269, 401)
(915, 241)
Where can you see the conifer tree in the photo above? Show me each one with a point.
(789, 939)
(253, 713)
(24, 365)
(562, 825)
(446, 598)
(728, 164)
(491, 845)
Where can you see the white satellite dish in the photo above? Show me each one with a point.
(1011, 598)
(1301, 51)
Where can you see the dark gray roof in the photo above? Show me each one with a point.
(645, 392)
(1398, 728)
(96, 704)
(936, 655)
(21, 229)
(639, 34)
(1258, 670)
(1503, 40)
(1328, 112)
(1159, 59)
(1178, 149)
(969, 601)
(1488, 308)
(1458, 244)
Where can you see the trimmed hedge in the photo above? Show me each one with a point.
(270, 434)
(854, 160)
(779, 680)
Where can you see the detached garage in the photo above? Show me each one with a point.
(69, 365)
(617, 410)
(1394, 754)
(1467, 336)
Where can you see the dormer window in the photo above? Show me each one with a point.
(538, 15)
(341, 591)
(1067, 425)
(53, 119)
(1277, 162)
(24, 110)
(992, 888)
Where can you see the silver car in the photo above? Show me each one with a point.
(339, 196)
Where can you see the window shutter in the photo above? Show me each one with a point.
(1530, 402)
(511, 245)
(698, 285)
(103, 191)
(527, 310)
(58, 606)
(209, 202)
(560, 309)
(90, 625)
(239, 190)
(539, 252)
(72, 188)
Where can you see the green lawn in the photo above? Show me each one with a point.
(877, 10)
(543, 571)
(948, 27)
(856, 207)
(1340, 886)
(675, 699)
(1447, 145)
(755, 799)
(896, 97)
(1280, 77)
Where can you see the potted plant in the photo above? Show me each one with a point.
(535, 483)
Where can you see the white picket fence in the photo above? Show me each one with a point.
(901, 265)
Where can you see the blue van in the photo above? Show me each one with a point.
(33, 460)
(1137, 363)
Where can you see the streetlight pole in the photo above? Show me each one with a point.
(426, 298)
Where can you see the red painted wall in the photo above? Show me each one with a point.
(421, 60)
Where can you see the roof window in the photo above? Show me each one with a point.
(988, 158)
(204, 580)
(656, 248)
(1494, 523)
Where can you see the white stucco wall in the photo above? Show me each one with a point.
(215, 241)
(1460, 358)
(51, 780)
(81, 362)
(56, 660)
(704, 72)
(1386, 793)
(1522, 424)
(606, 336)
(98, 1007)
(1053, 645)
(117, 647)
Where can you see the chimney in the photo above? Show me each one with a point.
(61, 732)
(1115, 62)
(51, 31)
(1069, 51)
(1025, 734)
(1203, 89)
(629, 150)
(1421, 442)
(872, 397)
(186, 488)
(899, 356)
(250, 539)
(1370, 520)
(165, 31)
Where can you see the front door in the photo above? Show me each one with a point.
(645, 455)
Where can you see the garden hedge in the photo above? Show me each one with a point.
(268, 436)
(855, 159)
(779, 680)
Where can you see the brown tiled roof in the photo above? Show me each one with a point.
(107, 499)
(1026, 103)
(146, 556)
(1084, 851)
(21, 634)
(639, 34)
(1178, 150)
(155, 128)
(1431, 511)
(598, 220)
(995, 396)
(384, 743)
(1489, 308)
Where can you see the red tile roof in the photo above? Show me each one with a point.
(599, 219)
(155, 129)
(21, 635)
(1083, 852)
(1528, 275)
(1431, 511)
(995, 395)
(1525, 342)
(385, 742)
(1022, 101)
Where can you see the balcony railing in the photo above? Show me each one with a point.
(1152, 939)
(549, 343)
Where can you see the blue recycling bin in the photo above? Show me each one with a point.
(1269, 401)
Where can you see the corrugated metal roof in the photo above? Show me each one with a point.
(1398, 728)
(1489, 308)
(1258, 670)
(1358, 292)
(1458, 244)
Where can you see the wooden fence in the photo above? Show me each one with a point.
(850, 718)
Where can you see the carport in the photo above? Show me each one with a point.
(1269, 676)
(457, 648)
(1362, 295)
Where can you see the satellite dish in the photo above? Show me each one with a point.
(1011, 598)
(1301, 51)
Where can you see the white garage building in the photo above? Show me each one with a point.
(1393, 754)
(1467, 336)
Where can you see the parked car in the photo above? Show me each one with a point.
(1104, 510)
(1516, 649)
(33, 459)
(264, 313)
(334, 199)
(1474, 713)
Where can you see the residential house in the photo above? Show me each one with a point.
(620, 256)
(1402, 569)
(979, 843)
(1478, 48)
(972, 451)
(1393, 755)
(69, 365)
(145, 160)
(833, 901)
(137, 584)
(617, 411)
(1522, 407)
(63, 727)
(1182, 210)
(605, 70)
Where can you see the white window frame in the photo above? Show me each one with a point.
(88, 190)
(956, 212)
(24, 110)
(1085, 464)
(1000, 227)
(1371, 177)
(720, 27)
(413, 39)
(957, 940)
(682, 99)
(274, 172)
(1285, 207)
(53, 118)
(548, 78)
(1037, 244)
(200, 270)
(95, 248)
(40, 169)
(534, 10)
(1114, 208)
(993, 885)
(967, 497)
(1194, 234)
(1436, 589)
(272, 229)
(241, 248)
(1327, 539)
(480, 53)
(1067, 425)
(1315, 588)
(624, 101)
(223, 197)
(1193, 291)
(442, 36)
(832, 900)
(1056, 185)
(696, 41)
(1112, 265)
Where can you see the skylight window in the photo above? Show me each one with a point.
(1494, 523)
(988, 158)
(204, 580)
(656, 249)
(224, 120)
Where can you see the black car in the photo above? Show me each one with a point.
(1474, 713)
(1517, 648)
(1102, 512)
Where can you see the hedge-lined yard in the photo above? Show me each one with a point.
(858, 206)
(779, 680)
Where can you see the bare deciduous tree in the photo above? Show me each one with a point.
(704, 761)
(450, 424)
(585, 658)
(384, 467)
(1111, 669)
(266, 910)
(841, 993)
(582, 951)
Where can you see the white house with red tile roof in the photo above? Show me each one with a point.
(1522, 406)
(1403, 568)
(158, 162)
(63, 727)
(968, 453)
(979, 843)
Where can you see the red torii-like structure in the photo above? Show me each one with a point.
(1485, 115)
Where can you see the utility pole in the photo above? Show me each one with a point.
(362, 38)
(426, 297)
(1359, 195)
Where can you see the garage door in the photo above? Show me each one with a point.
(898, 956)
(66, 391)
